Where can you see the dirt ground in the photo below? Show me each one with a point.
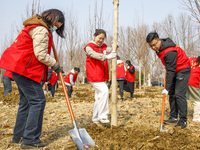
(138, 122)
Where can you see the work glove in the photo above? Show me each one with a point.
(165, 92)
(57, 68)
(111, 55)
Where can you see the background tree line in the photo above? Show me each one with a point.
(184, 30)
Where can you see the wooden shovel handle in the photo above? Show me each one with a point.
(163, 105)
(64, 87)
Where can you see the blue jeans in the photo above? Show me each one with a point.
(30, 112)
(7, 85)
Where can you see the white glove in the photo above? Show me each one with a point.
(128, 67)
(165, 92)
(111, 55)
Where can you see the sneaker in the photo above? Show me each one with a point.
(122, 99)
(104, 120)
(182, 124)
(32, 146)
(196, 120)
(171, 120)
(96, 122)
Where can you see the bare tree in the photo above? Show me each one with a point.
(194, 7)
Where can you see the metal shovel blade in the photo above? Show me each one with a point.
(81, 138)
(163, 130)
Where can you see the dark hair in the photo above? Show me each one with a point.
(99, 31)
(198, 60)
(129, 63)
(51, 17)
(151, 36)
(118, 58)
(77, 69)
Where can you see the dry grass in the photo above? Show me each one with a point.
(138, 122)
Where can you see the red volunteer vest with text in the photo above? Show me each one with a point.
(120, 70)
(53, 79)
(130, 77)
(8, 74)
(20, 57)
(97, 70)
(182, 59)
(67, 77)
(195, 73)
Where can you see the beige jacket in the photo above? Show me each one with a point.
(40, 36)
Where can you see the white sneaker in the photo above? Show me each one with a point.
(96, 122)
(196, 120)
(104, 120)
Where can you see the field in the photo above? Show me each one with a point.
(138, 122)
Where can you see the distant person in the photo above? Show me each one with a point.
(28, 58)
(120, 77)
(7, 78)
(52, 80)
(177, 66)
(193, 91)
(130, 78)
(97, 73)
(70, 80)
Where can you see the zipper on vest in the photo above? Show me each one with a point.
(28, 62)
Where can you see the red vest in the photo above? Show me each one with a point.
(53, 79)
(97, 70)
(120, 70)
(195, 73)
(67, 77)
(8, 74)
(20, 57)
(130, 77)
(182, 59)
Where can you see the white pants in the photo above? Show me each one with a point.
(101, 108)
(196, 114)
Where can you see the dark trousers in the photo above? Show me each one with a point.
(52, 89)
(69, 90)
(177, 96)
(7, 85)
(121, 87)
(29, 118)
(129, 87)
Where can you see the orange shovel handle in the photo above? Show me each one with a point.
(163, 105)
(63, 86)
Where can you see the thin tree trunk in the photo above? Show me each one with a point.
(114, 64)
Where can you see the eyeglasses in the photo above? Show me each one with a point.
(153, 45)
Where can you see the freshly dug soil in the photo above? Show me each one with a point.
(138, 122)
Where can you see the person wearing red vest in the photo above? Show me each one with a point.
(7, 78)
(52, 79)
(70, 80)
(120, 76)
(97, 74)
(130, 78)
(28, 58)
(178, 68)
(193, 91)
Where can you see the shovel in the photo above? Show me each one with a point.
(163, 110)
(80, 136)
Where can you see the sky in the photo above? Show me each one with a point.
(130, 11)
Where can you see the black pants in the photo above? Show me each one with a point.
(129, 87)
(177, 95)
(69, 90)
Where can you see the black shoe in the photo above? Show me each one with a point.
(171, 120)
(131, 95)
(182, 124)
(32, 146)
